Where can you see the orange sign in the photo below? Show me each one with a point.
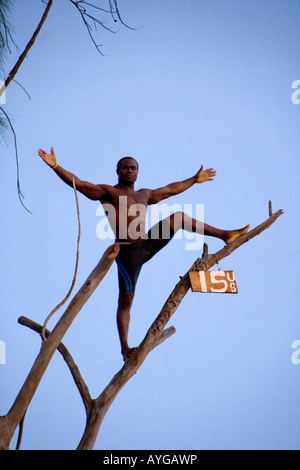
(213, 281)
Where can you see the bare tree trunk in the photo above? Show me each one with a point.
(92, 408)
(9, 422)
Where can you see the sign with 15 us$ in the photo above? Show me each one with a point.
(213, 281)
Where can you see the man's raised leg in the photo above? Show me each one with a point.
(180, 220)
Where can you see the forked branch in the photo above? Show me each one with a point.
(79, 382)
(9, 422)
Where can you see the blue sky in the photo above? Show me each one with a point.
(197, 82)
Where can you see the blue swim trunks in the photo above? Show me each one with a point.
(132, 256)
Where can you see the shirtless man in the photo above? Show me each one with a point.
(136, 246)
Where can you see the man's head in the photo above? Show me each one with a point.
(121, 161)
(127, 170)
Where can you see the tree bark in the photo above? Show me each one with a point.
(75, 372)
(9, 422)
(155, 332)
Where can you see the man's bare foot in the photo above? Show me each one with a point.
(127, 354)
(232, 235)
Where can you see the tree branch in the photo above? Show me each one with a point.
(11, 77)
(210, 260)
(5, 27)
(75, 372)
(20, 195)
(9, 422)
(165, 335)
(87, 18)
(16, 67)
(79, 382)
(201, 264)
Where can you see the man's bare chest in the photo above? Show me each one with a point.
(127, 199)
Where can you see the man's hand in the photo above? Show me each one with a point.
(206, 175)
(48, 158)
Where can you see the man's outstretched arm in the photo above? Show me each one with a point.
(92, 191)
(172, 189)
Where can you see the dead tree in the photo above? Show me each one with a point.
(97, 408)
